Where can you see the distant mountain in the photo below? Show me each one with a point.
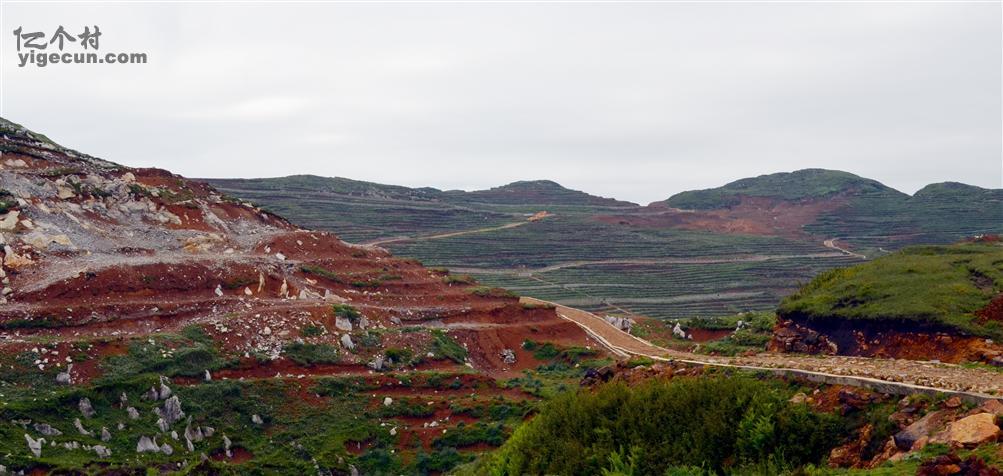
(537, 192)
(864, 212)
(532, 192)
(804, 184)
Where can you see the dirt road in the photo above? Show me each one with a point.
(890, 375)
(831, 243)
(451, 234)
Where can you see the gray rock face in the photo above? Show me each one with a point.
(925, 426)
(133, 413)
(623, 323)
(34, 445)
(171, 411)
(146, 445)
(46, 430)
(377, 363)
(105, 434)
(396, 320)
(193, 434)
(80, 427)
(343, 324)
(86, 408)
(508, 356)
(166, 449)
(102, 451)
(162, 425)
(63, 378)
(257, 419)
(346, 342)
(678, 332)
(226, 447)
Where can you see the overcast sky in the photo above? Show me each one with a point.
(634, 101)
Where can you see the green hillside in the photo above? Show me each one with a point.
(939, 285)
(790, 186)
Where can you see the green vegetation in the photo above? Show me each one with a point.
(346, 311)
(488, 291)
(7, 201)
(936, 285)
(310, 354)
(807, 183)
(320, 271)
(458, 279)
(720, 423)
(444, 346)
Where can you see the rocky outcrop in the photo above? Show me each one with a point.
(971, 431)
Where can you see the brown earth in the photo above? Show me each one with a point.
(897, 340)
(102, 253)
(751, 216)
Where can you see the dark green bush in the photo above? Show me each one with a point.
(722, 424)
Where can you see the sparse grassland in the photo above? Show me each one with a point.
(936, 285)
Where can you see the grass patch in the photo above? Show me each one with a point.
(321, 272)
(924, 285)
(310, 354)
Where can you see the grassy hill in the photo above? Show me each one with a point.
(576, 258)
(940, 285)
(789, 186)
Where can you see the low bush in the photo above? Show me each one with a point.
(720, 423)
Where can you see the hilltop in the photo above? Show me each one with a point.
(801, 185)
(922, 302)
(150, 321)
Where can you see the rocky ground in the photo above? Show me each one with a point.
(112, 275)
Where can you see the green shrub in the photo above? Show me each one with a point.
(458, 279)
(488, 291)
(7, 201)
(312, 330)
(399, 356)
(346, 311)
(310, 354)
(720, 423)
(445, 346)
(321, 272)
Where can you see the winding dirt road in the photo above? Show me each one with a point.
(887, 375)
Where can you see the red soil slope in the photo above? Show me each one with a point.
(100, 252)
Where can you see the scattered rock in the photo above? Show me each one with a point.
(923, 427)
(146, 445)
(171, 411)
(678, 331)
(346, 342)
(86, 408)
(972, 431)
(257, 419)
(105, 434)
(387, 401)
(508, 356)
(34, 445)
(63, 378)
(953, 402)
(133, 413)
(46, 430)
(80, 427)
(102, 451)
(377, 363)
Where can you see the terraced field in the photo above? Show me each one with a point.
(609, 256)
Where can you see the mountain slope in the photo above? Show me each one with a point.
(268, 348)
(806, 184)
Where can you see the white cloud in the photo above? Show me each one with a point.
(636, 101)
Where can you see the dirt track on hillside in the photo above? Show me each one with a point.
(901, 374)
